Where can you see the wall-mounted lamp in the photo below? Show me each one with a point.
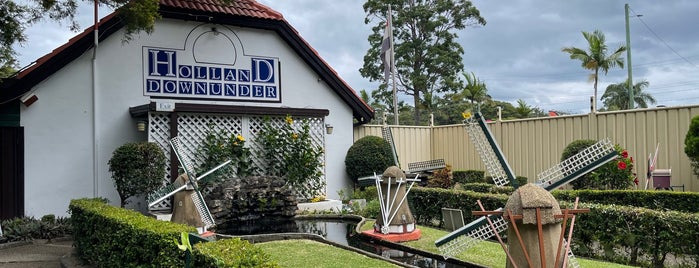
(141, 126)
(28, 99)
(328, 129)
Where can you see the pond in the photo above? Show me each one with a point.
(343, 232)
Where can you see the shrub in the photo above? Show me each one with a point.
(220, 146)
(232, 252)
(28, 228)
(368, 155)
(137, 168)
(691, 144)
(616, 174)
(289, 152)
(442, 178)
(469, 176)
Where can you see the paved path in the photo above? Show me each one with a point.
(38, 254)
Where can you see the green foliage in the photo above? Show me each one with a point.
(429, 27)
(100, 230)
(137, 168)
(595, 58)
(442, 178)
(615, 175)
(290, 153)
(28, 228)
(427, 203)
(487, 188)
(657, 200)
(616, 96)
(231, 252)
(219, 146)
(469, 176)
(691, 144)
(368, 155)
(624, 234)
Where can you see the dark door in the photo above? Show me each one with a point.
(11, 172)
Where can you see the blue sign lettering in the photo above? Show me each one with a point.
(263, 70)
(230, 90)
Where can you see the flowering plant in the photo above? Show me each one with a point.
(617, 174)
(289, 152)
(219, 146)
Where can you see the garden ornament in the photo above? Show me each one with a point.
(497, 166)
(189, 182)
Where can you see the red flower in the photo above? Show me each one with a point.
(621, 165)
(624, 154)
(631, 159)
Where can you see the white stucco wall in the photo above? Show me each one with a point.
(59, 126)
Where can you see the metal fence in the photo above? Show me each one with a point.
(533, 145)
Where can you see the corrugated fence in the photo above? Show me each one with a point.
(533, 145)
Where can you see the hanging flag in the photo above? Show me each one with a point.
(387, 47)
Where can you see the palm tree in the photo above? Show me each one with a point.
(596, 58)
(475, 90)
(523, 110)
(616, 97)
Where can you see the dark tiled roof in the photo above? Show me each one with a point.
(243, 13)
(247, 8)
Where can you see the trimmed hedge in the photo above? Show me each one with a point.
(469, 176)
(658, 200)
(114, 237)
(624, 234)
(487, 188)
(109, 236)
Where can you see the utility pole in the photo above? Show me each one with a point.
(628, 57)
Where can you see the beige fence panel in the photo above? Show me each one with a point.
(533, 145)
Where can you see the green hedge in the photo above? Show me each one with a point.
(114, 237)
(658, 200)
(487, 188)
(109, 236)
(625, 234)
(636, 236)
(469, 176)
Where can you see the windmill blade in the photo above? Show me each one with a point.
(202, 209)
(388, 136)
(212, 170)
(489, 151)
(469, 235)
(577, 165)
(185, 161)
(165, 192)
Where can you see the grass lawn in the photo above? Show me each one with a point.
(485, 253)
(309, 253)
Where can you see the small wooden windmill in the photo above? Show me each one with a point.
(188, 184)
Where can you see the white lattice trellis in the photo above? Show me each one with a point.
(192, 128)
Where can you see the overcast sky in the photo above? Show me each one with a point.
(517, 53)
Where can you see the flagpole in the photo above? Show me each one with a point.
(393, 66)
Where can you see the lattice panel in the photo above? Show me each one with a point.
(159, 133)
(459, 242)
(192, 130)
(487, 153)
(576, 163)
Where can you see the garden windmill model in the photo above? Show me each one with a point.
(191, 184)
(496, 164)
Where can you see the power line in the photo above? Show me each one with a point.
(661, 40)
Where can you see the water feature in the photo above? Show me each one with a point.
(343, 232)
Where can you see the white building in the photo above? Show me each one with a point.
(62, 117)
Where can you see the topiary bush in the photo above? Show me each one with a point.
(691, 144)
(573, 148)
(368, 155)
(615, 175)
(137, 168)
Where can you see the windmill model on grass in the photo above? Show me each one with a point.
(570, 169)
(188, 184)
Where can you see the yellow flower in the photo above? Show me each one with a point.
(235, 143)
(294, 136)
(289, 120)
(241, 138)
(466, 115)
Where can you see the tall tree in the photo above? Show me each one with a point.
(596, 58)
(17, 15)
(475, 90)
(427, 56)
(523, 109)
(616, 96)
